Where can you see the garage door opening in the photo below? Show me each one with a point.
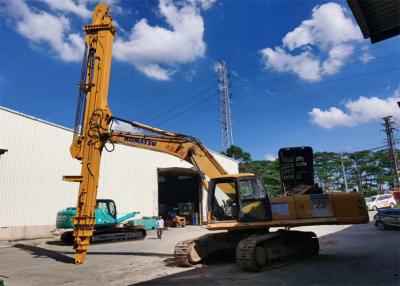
(179, 193)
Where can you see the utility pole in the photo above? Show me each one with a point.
(344, 173)
(226, 120)
(360, 187)
(388, 124)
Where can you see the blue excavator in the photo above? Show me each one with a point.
(107, 227)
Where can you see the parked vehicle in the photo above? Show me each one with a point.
(388, 218)
(381, 201)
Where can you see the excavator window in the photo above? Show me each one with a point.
(254, 203)
(240, 199)
(112, 209)
(102, 206)
(224, 201)
(107, 206)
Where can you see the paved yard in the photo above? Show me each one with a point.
(350, 255)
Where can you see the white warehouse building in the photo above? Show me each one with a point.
(34, 155)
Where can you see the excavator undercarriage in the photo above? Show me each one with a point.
(253, 250)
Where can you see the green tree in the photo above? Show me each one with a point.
(269, 171)
(328, 170)
(368, 168)
(238, 154)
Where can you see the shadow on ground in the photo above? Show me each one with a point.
(58, 242)
(38, 252)
(123, 253)
(358, 255)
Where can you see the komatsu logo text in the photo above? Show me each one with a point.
(141, 141)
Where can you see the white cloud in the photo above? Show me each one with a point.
(69, 6)
(271, 157)
(305, 64)
(156, 50)
(155, 71)
(356, 112)
(42, 27)
(124, 127)
(336, 59)
(206, 4)
(366, 57)
(328, 31)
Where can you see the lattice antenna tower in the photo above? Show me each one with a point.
(389, 129)
(225, 97)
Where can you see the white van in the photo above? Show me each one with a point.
(380, 201)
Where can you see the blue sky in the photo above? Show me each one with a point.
(301, 73)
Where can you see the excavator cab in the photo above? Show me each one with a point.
(239, 197)
(107, 208)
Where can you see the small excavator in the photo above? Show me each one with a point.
(237, 203)
(108, 227)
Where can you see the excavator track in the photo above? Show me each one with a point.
(181, 253)
(118, 235)
(190, 252)
(109, 235)
(248, 255)
(257, 251)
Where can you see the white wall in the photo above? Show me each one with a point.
(31, 186)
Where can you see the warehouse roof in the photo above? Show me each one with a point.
(378, 20)
(68, 129)
(35, 118)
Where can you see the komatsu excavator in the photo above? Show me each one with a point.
(237, 203)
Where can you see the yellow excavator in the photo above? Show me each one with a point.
(237, 203)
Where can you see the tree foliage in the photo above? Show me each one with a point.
(238, 154)
(268, 170)
(364, 170)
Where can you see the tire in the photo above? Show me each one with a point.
(380, 225)
(375, 208)
(392, 205)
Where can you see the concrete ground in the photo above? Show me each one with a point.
(350, 255)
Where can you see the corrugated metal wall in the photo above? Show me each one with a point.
(31, 189)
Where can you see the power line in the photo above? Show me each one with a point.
(207, 109)
(193, 97)
(324, 82)
(283, 89)
(177, 94)
(371, 49)
(260, 84)
(262, 79)
(187, 109)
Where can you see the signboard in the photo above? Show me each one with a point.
(321, 205)
(296, 167)
(280, 208)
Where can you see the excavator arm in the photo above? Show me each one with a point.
(92, 123)
(93, 130)
(185, 147)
